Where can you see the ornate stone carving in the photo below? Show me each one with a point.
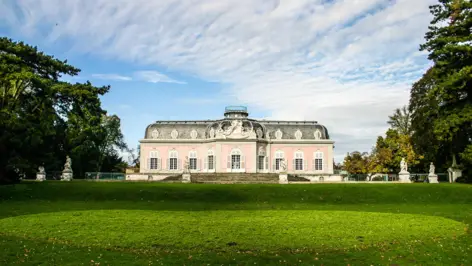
(212, 133)
(259, 133)
(317, 134)
(193, 134)
(235, 130)
(298, 134)
(155, 134)
(174, 134)
(278, 134)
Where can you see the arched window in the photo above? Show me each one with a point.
(173, 161)
(236, 160)
(154, 161)
(210, 160)
(318, 161)
(279, 156)
(298, 161)
(192, 156)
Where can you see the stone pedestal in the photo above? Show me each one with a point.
(404, 177)
(40, 176)
(454, 174)
(66, 176)
(186, 178)
(283, 178)
(433, 178)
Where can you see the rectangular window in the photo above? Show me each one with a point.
(318, 164)
(173, 163)
(261, 162)
(154, 164)
(235, 161)
(211, 162)
(193, 163)
(277, 163)
(299, 164)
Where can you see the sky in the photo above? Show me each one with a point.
(347, 64)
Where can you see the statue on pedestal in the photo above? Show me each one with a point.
(186, 173)
(41, 174)
(432, 177)
(67, 172)
(404, 175)
(186, 165)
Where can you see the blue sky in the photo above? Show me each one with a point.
(346, 64)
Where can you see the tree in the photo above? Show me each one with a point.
(112, 138)
(42, 118)
(401, 121)
(356, 162)
(448, 42)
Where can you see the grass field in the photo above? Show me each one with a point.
(92, 223)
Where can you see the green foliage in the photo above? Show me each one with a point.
(401, 121)
(448, 42)
(42, 118)
(182, 224)
(357, 163)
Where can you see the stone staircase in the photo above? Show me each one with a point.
(234, 178)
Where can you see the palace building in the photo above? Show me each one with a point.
(236, 143)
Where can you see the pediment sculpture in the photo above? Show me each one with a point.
(235, 130)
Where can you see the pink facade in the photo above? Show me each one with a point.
(237, 144)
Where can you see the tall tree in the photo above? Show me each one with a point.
(448, 42)
(36, 109)
(401, 121)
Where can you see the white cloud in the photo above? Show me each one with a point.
(112, 77)
(344, 63)
(155, 77)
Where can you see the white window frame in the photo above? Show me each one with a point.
(278, 156)
(154, 161)
(210, 154)
(262, 166)
(298, 161)
(231, 157)
(193, 160)
(173, 162)
(318, 161)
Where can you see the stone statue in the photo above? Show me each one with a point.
(68, 165)
(259, 133)
(212, 133)
(403, 166)
(283, 165)
(431, 169)
(67, 172)
(186, 165)
(41, 170)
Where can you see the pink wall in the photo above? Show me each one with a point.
(308, 154)
(182, 149)
(247, 151)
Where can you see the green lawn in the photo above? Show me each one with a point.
(94, 223)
